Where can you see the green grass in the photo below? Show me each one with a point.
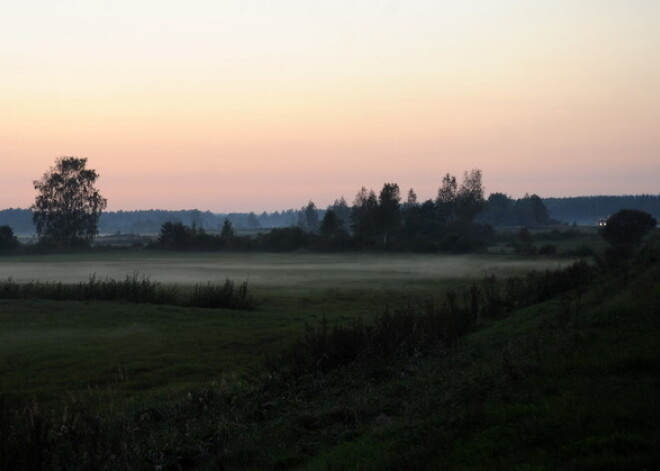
(554, 386)
(49, 347)
(571, 383)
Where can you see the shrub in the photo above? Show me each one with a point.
(8, 240)
(627, 228)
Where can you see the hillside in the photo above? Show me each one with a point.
(571, 383)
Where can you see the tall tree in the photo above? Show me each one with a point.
(389, 211)
(445, 202)
(412, 198)
(67, 208)
(342, 211)
(175, 235)
(470, 196)
(364, 216)
(330, 225)
(498, 210)
(530, 211)
(308, 218)
(227, 231)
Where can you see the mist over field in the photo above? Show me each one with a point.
(268, 270)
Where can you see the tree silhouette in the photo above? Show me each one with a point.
(364, 217)
(8, 240)
(470, 196)
(311, 217)
(227, 231)
(67, 208)
(446, 200)
(530, 211)
(330, 225)
(175, 235)
(389, 212)
(626, 228)
(343, 212)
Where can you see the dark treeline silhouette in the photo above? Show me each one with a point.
(500, 210)
(372, 222)
(586, 210)
(529, 211)
(150, 221)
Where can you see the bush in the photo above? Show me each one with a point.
(627, 228)
(8, 240)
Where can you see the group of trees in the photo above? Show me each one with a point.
(588, 209)
(502, 210)
(67, 209)
(446, 223)
(373, 222)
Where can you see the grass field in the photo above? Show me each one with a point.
(567, 383)
(48, 348)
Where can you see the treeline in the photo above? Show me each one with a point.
(499, 210)
(150, 221)
(502, 210)
(372, 222)
(586, 210)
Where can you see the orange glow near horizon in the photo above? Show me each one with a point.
(235, 106)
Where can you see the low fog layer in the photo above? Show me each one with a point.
(266, 270)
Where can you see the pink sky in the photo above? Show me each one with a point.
(255, 105)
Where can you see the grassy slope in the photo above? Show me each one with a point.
(569, 384)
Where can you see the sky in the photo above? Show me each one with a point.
(247, 105)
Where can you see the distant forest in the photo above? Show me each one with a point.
(583, 210)
(150, 221)
(586, 210)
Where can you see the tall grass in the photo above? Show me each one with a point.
(226, 295)
(132, 289)
(503, 295)
(416, 329)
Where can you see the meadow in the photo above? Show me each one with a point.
(563, 376)
(50, 348)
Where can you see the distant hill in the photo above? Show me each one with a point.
(150, 221)
(586, 210)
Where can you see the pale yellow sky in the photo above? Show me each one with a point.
(263, 105)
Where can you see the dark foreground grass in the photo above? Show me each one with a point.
(49, 349)
(570, 383)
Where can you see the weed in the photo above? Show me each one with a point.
(133, 289)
